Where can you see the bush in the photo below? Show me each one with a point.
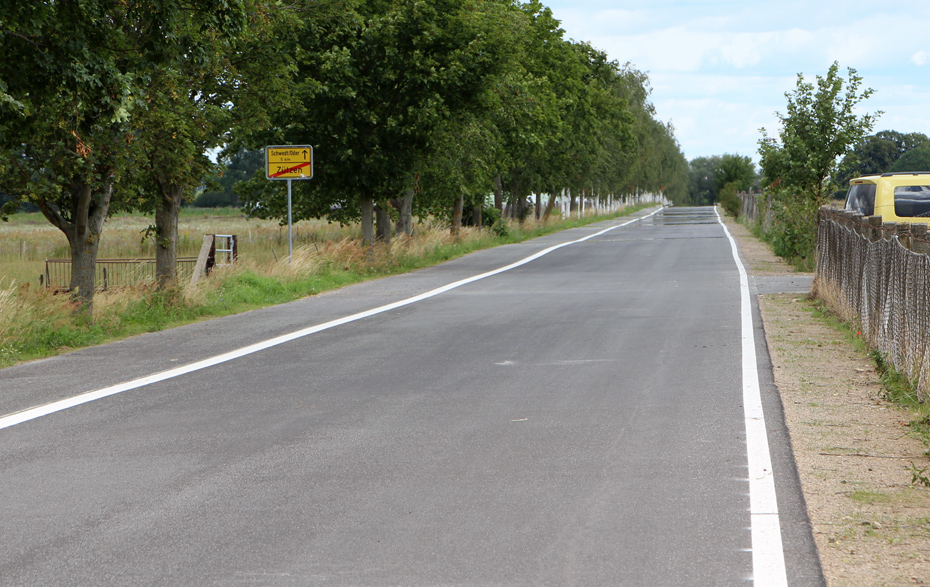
(729, 199)
(793, 232)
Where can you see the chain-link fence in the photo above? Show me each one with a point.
(878, 275)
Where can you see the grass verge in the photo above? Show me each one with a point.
(897, 389)
(35, 323)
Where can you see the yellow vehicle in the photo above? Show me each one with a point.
(896, 197)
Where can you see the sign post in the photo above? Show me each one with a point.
(289, 162)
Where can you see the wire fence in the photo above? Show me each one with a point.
(750, 206)
(218, 249)
(877, 275)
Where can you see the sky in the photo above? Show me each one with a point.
(719, 69)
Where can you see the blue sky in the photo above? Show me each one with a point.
(720, 68)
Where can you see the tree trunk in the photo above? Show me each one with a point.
(549, 206)
(88, 212)
(476, 212)
(499, 194)
(516, 210)
(383, 220)
(457, 209)
(166, 236)
(404, 207)
(538, 206)
(367, 206)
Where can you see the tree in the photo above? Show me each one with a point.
(799, 168)
(702, 182)
(878, 154)
(66, 97)
(734, 173)
(236, 167)
(708, 176)
(914, 160)
(653, 162)
(449, 100)
(221, 61)
(737, 170)
(374, 87)
(903, 142)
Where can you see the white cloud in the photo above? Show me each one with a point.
(720, 68)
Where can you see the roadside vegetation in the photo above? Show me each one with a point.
(896, 387)
(799, 165)
(36, 323)
(899, 390)
(467, 111)
(718, 179)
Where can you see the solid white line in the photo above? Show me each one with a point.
(768, 557)
(51, 408)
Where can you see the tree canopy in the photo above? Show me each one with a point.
(445, 100)
(709, 175)
(879, 153)
(412, 106)
(799, 167)
(917, 159)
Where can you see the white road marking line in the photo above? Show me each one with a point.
(39, 411)
(768, 556)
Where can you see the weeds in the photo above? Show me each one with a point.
(919, 476)
(896, 387)
(863, 496)
(820, 311)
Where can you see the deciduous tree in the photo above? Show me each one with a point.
(799, 167)
(67, 97)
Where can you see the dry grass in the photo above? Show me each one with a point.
(28, 239)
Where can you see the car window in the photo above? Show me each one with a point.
(861, 198)
(912, 201)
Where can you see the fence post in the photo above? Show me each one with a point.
(206, 250)
(902, 230)
(888, 230)
(919, 243)
(874, 233)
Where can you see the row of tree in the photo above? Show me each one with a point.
(412, 106)
(714, 179)
(421, 108)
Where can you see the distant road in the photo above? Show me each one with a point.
(575, 420)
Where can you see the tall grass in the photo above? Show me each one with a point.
(35, 323)
(28, 239)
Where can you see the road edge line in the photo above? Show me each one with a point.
(768, 556)
(33, 413)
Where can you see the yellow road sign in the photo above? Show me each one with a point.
(289, 162)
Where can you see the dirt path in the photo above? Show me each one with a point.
(858, 464)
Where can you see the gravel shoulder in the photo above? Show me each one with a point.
(858, 463)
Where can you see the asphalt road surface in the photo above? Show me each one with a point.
(575, 420)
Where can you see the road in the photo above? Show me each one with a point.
(575, 420)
